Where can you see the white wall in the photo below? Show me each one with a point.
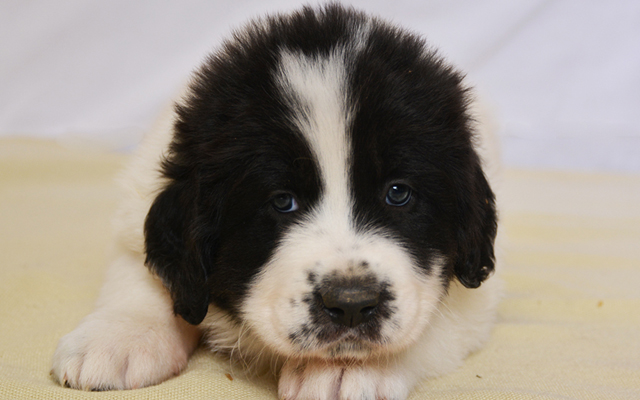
(562, 75)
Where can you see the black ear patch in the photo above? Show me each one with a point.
(476, 232)
(172, 251)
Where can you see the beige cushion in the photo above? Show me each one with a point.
(569, 326)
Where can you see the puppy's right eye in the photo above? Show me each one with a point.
(284, 203)
(398, 195)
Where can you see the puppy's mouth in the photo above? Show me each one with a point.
(350, 347)
(332, 342)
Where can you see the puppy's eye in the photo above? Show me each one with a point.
(284, 203)
(398, 195)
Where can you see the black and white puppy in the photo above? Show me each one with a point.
(313, 205)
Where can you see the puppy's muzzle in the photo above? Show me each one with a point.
(350, 306)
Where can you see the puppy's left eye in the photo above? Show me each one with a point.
(284, 203)
(398, 195)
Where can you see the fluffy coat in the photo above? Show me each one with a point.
(314, 205)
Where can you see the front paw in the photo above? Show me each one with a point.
(327, 380)
(108, 352)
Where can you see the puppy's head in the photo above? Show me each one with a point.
(322, 188)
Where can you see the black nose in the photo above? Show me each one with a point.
(350, 306)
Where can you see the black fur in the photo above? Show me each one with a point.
(213, 227)
(413, 127)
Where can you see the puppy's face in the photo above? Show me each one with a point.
(323, 188)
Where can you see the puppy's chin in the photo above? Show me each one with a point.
(351, 349)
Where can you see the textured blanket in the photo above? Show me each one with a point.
(568, 328)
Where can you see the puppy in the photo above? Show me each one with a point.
(313, 205)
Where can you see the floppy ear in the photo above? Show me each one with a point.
(173, 252)
(477, 232)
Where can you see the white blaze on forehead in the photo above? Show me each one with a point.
(316, 90)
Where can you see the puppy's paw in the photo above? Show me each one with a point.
(108, 352)
(325, 380)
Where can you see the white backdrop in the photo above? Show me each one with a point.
(562, 75)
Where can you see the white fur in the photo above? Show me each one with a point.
(316, 90)
(131, 340)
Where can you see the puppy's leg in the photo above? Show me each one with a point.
(131, 340)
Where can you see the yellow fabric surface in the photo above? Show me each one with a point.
(568, 328)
